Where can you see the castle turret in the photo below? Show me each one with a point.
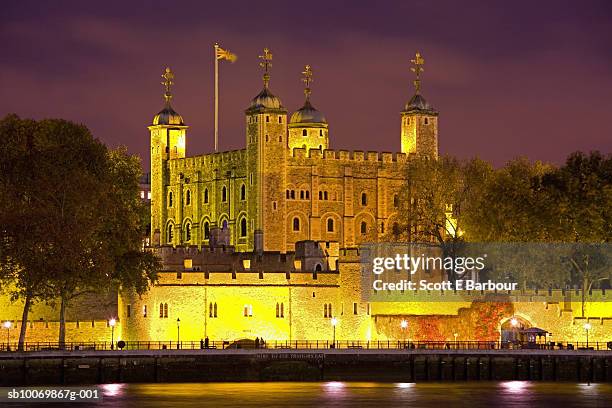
(168, 133)
(266, 122)
(308, 128)
(419, 128)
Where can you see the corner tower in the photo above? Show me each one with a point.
(168, 133)
(266, 133)
(308, 128)
(419, 128)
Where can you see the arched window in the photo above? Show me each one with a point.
(325, 310)
(277, 310)
(396, 229)
(206, 196)
(243, 227)
(318, 268)
(321, 132)
(165, 310)
(210, 310)
(282, 314)
(395, 201)
(330, 225)
(206, 230)
(188, 232)
(364, 199)
(161, 310)
(215, 314)
(280, 119)
(304, 132)
(170, 233)
(170, 199)
(325, 195)
(224, 194)
(296, 224)
(382, 227)
(243, 192)
(301, 194)
(307, 195)
(188, 197)
(320, 195)
(364, 227)
(292, 194)
(329, 310)
(224, 224)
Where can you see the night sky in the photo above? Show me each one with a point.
(520, 78)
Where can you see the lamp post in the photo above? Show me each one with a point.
(456, 344)
(587, 327)
(112, 322)
(178, 333)
(334, 322)
(404, 326)
(7, 326)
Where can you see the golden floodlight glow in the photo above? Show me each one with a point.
(297, 264)
(112, 322)
(188, 263)
(7, 324)
(246, 263)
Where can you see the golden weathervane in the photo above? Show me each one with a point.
(266, 64)
(418, 63)
(168, 76)
(307, 79)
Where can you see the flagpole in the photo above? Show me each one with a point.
(216, 98)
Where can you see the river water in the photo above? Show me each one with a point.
(356, 394)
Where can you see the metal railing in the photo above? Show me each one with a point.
(305, 345)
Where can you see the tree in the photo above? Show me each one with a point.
(88, 208)
(437, 195)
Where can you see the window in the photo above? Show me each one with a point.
(206, 230)
(301, 194)
(142, 194)
(165, 310)
(251, 178)
(296, 224)
(280, 138)
(188, 197)
(243, 227)
(144, 311)
(320, 195)
(243, 192)
(161, 310)
(364, 199)
(327, 310)
(170, 233)
(382, 227)
(396, 229)
(179, 275)
(330, 225)
(129, 310)
(248, 310)
(407, 121)
(188, 232)
(288, 194)
(304, 132)
(170, 199)
(224, 194)
(321, 133)
(280, 119)
(148, 195)
(325, 195)
(292, 194)
(224, 224)
(395, 201)
(212, 309)
(364, 227)
(280, 310)
(267, 119)
(307, 195)
(206, 196)
(354, 308)
(318, 268)
(267, 138)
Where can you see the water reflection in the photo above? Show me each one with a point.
(348, 394)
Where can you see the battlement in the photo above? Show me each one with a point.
(346, 155)
(208, 159)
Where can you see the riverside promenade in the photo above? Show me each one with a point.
(216, 365)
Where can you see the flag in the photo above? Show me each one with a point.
(225, 54)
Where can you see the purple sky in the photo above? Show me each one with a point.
(509, 79)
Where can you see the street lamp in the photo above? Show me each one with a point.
(334, 322)
(404, 326)
(178, 333)
(112, 322)
(7, 325)
(456, 335)
(587, 327)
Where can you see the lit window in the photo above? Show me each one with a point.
(142, 194)
(248, 310)
(148, 195)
